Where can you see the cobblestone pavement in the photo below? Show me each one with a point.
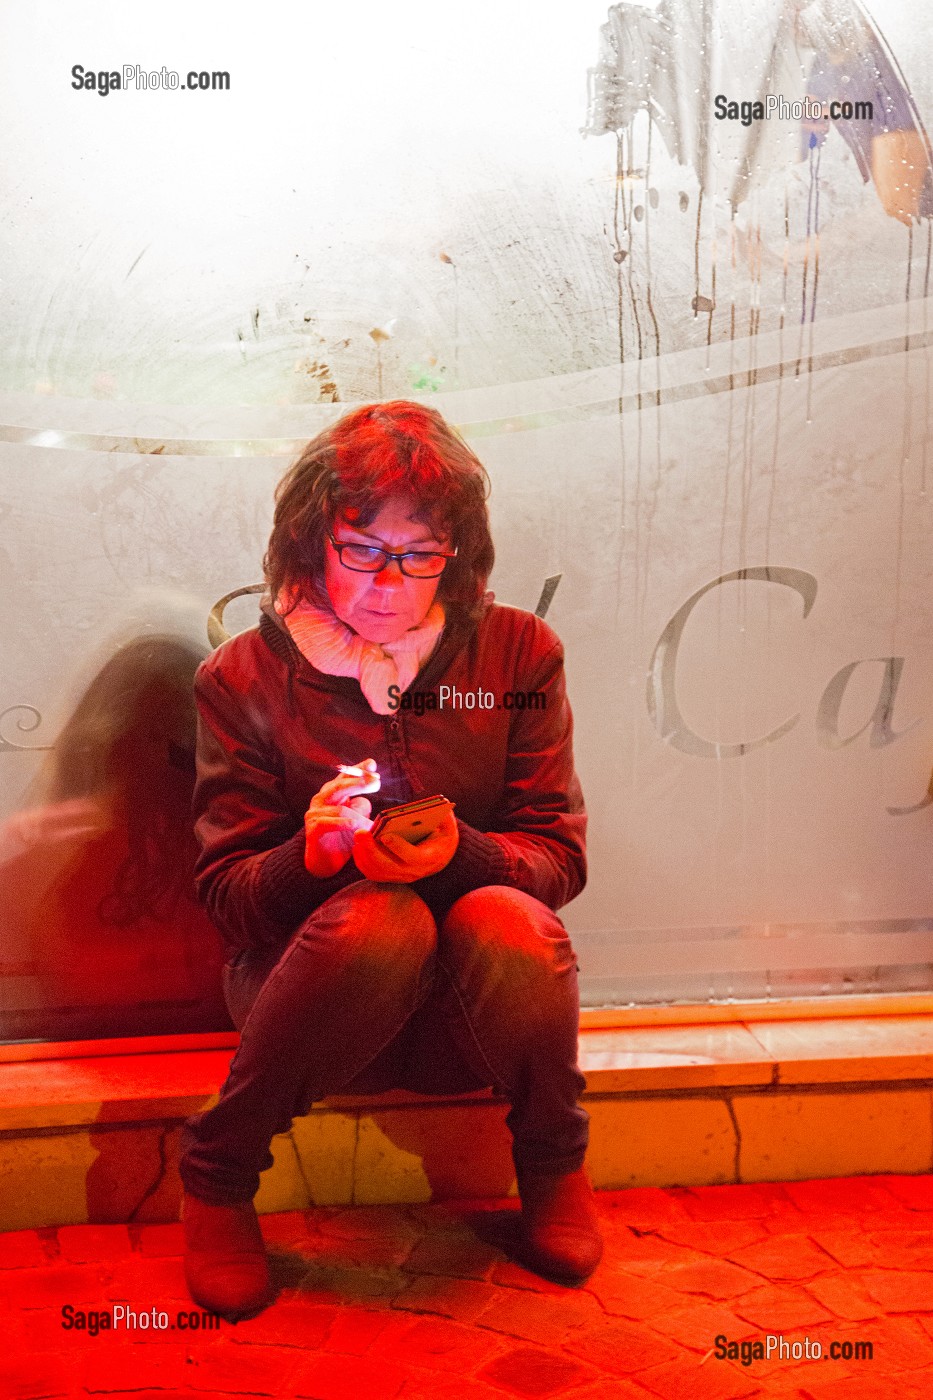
(421, 1301)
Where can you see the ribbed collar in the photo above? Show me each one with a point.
(276, 637)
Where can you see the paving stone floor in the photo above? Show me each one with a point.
(419, 1302)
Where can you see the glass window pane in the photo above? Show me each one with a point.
(690, 339)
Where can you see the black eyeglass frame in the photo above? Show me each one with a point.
(341, 545)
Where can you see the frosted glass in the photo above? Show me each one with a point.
(694, 355)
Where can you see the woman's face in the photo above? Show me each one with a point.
(382, 607)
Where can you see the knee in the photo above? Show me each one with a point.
(508, 924)
(383, 920)
(388, 904)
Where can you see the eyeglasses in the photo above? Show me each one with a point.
(368, 559)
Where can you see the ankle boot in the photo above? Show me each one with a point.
(559, 1226)
(225, 1258)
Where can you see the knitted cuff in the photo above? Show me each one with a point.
(478, 860)
(287, 891)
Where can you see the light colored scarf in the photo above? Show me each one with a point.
(334, 648)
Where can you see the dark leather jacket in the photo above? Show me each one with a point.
(271, 728)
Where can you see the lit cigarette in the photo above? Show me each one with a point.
(351, 770)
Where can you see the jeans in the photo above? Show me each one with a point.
(370, 995)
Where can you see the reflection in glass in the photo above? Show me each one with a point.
(101, 932)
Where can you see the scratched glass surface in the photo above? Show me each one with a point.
(666, 266)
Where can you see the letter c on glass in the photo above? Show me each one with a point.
(662, 674)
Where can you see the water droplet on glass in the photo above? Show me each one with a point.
(639, 212)
(684, 202)
(653, 198)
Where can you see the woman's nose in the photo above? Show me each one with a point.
(391, 576)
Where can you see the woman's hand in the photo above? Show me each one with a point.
(392, 859)
(335, 815)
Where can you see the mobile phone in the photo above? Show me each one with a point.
(413, 821)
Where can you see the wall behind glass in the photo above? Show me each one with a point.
(693, 352)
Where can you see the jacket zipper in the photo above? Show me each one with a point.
(397, 749)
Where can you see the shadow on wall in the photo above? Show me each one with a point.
(101, 932)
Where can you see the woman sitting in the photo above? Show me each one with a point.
(358, 962)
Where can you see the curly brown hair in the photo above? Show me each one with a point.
(354, 466)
